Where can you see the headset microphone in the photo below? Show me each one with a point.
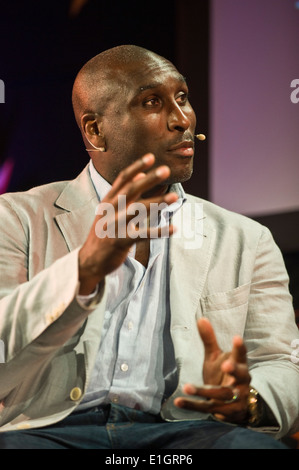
(200, 136)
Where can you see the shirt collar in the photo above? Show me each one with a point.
(102, 187)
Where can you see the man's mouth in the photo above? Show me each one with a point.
(183, 149)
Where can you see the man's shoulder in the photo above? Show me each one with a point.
(220, 218)
(47, 196)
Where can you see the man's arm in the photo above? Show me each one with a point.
(266, 366)
(43, 313)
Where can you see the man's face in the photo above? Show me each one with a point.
(149, 111)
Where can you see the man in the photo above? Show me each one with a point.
(117, 336)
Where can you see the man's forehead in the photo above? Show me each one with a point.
(131, 80)
(156, 79)
(151, 70)
(159, 82)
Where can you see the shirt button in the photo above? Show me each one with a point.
(107, 314)
(114, 399)
(124, 367)
(130, 325)
(76, 394)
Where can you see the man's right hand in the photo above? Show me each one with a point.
(99, 255)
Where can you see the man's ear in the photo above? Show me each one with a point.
(91, 129)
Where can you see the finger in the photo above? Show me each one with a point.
(135, 189)
(242, 375)
(209, 406)
(134, 220)
(137, 232)
(239, 351)
(205, 406)
(146, 210)
(217, 392)
(139, 176)
(238, 372)
(221, 405)
(129, 173)
(208, 336)
(153, 203)
(236, 364)
(135, 174)
(192, 404)
(137, 223)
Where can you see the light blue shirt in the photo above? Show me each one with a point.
(135, 364)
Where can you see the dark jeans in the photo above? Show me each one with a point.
(118, 427)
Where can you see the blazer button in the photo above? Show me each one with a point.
(76, 394)
(23, 426)
(55, 314)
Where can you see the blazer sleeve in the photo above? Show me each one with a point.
(270, 333)
(39, 314)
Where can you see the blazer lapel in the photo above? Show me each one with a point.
(190, 255)
(189, 261)
(79, 201)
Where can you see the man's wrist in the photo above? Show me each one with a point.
(254, 408)
(89, 299)
(88, 278)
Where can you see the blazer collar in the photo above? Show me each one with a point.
(77, 192)
(79, 201)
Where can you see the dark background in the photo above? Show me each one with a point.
(43, 46)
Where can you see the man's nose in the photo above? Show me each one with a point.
(178, 119)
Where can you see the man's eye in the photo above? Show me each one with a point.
(182, 98)
(152, 102)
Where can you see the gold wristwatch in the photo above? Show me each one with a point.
(254, 407)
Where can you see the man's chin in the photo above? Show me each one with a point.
(180, 177)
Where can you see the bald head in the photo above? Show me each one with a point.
(103, 74)
(129, 101)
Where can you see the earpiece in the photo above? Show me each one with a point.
(95, 149)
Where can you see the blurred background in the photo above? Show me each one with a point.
(239, 58)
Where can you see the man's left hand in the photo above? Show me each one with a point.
(226, 378)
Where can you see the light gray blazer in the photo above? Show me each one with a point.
(234, 276)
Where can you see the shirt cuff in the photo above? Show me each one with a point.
(89, 300)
